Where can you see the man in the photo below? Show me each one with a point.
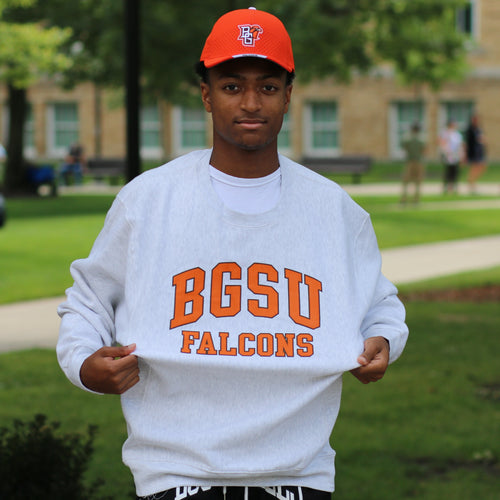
(452, 152)
(74, 165)
(241, 286)
(414, 172)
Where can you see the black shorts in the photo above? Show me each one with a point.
(240, 493)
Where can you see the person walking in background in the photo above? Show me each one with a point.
(476, 152)
(452, 153)
(414, 171)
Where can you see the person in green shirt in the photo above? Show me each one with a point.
(414, 171)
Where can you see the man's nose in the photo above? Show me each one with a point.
(251, 101)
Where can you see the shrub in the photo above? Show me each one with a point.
(36, 462)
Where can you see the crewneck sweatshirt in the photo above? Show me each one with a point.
(244, 324)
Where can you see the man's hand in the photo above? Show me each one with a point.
(111, 370)
(373, 361)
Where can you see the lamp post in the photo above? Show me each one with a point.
(132, 78)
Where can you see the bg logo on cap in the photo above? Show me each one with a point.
(249, 34)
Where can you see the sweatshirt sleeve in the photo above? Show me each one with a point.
(383, 314)
(88, 314)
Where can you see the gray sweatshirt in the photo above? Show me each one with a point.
(244, 324)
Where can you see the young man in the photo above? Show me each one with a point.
(414, 171)
(242, 286)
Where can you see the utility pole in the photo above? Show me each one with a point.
(132, 78)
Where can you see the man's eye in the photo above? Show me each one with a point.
(231, 87)
(270, 88)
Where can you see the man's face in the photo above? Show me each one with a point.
(247, 98)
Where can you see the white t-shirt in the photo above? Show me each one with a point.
(451, 145)
(247, 196)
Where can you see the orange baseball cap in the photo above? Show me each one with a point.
(248, 33)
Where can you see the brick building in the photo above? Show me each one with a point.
(370, 115)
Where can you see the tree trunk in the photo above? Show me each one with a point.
(15, 171)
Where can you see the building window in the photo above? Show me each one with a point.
(29, 133)
(151, 132)
(322, 129)
(402, 117)
(460, 112)
(285, 136)
(189, 127)
(466, 18)
(63, 128)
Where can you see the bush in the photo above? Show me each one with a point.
(37, 463)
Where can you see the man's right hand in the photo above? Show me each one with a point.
(111, 370)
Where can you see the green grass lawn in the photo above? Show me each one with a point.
(426, 431)
(41, 239)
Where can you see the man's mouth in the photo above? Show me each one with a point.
(250, 123)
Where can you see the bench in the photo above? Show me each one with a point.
(98, 168)
(356, 165)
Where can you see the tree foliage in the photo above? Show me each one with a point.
(418, 38)
(37, 461)
(28, 51)
(330, 38)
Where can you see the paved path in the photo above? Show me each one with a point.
(35, 323)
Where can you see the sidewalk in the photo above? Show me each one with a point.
(25, 325)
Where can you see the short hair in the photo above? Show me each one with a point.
(202, 71)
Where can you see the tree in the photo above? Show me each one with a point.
(28, 51)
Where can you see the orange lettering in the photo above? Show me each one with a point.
(305, 345)
(206, 344)
(188, 341)
(265, 345)
(242, 348)
(314, 287)
(284, 344)
(272, 307)
(231, 291)
(183, 297)
(223, 345)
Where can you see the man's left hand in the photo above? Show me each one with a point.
(373, 361)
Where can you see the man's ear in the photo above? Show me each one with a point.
(205, 96)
